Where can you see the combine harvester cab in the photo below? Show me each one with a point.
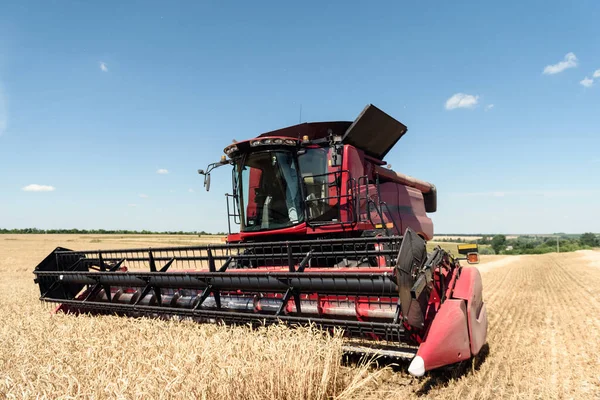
(327, 236)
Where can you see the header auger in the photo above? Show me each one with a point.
(327, 236)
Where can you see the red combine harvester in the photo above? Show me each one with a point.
(327, 236)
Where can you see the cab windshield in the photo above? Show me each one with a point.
(269, 191)
(313, 164)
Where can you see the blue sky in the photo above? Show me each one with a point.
(96, 97)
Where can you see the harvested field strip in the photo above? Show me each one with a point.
(544, 336)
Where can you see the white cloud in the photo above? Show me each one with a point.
(596, 74)
(162, 171)
(586, 82)
(461, 100)
(143, 196)
(191, 190)
(132, 205)
(489, 107)
(570, 61)
(3, 111)
(103, 67)
(38, 188)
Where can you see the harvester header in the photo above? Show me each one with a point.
(320, 232)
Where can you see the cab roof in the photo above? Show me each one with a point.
(373, 131)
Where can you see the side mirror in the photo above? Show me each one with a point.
(207, 182)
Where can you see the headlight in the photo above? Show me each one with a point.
(230, 149)
(268, 141)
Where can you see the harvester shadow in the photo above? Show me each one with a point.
(442, 376)
(375, 362)
(435, 379)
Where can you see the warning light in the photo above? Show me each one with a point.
(473, 258)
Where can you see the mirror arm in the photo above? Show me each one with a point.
(213, 166)
(210, 168)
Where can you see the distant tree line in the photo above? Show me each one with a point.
(454, 239)
(103, 232)
(528, 244)
(464, 234)
(560, 234)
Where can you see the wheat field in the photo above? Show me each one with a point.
(543, 341)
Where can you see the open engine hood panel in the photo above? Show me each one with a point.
(374, 132)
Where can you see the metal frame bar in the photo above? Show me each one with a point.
(344, 283)
(325, 253)
(149, 287)
(231, 246)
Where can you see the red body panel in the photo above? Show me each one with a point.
(469, 288)
(254, 182)
(447, 340)
(404, 208)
